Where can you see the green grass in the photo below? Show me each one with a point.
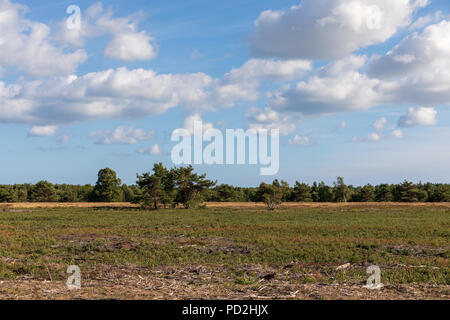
(409, 244)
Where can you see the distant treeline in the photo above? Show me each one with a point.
(182, 186)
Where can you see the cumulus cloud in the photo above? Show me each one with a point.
(113, 94)
(396, 134)
(415, 54)
(380, 124)
(129, 94)
(27, 45)
(42, 131)
(269, 69)
(372, 137)
(131, 47)
(378, 136)
(189, 123)
(417, 70)
(127, 42)
(243, 83)
(299, 140)
(418, 117)
(337, 87)
(268, 119)
(425, 20)
(153, 150)
(329, 29)
(122, 135)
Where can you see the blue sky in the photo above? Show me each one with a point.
(367, 102)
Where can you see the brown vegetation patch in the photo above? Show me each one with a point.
(12, 207)
(207, 282)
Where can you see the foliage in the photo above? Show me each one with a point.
(183, 186)
(107, 188)
(271, 194)
(44, 191)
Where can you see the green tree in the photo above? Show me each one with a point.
(8, 194)
(441, 193)
(108, 186)
(67, 193)
(152, 190)
(302, 193)
(409, 192)
(341, 192)
(44, 191)
(191, 187)
(127, 193)
(271, 194)
(383, 193)
(167, 180)
(367, 193)
(22, 192)
(315, 192)
(325, 193)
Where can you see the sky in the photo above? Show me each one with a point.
(358, 89)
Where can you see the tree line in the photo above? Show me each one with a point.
(182, 186)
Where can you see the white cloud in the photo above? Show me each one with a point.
(127, 43)
(122, 135)
(337, 87)
(131, 47)
(42, 131)
(153, 150)
(189, 123)
(425, 20)
(417, 70)
(129, 94)
(243, 84)
(329, 29)
(377, 136)
(380, 124)
(418, 117)
(260, 69)
(110, 94)
(415, 54)
(26, 45)
(268, 119)
(372, 137)
(397, 134)
(300, 140)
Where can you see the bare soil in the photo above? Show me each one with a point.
(367, 205)
(203, 282)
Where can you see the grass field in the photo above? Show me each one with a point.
(226, 252)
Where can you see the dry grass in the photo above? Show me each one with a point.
(249, 205)
(228, 251)
(203, 282)
(52, 205)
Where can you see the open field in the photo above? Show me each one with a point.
(239, 251)
(250, 205)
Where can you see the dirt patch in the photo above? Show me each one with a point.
(204, 282)
(419, 251)
(367, 205)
